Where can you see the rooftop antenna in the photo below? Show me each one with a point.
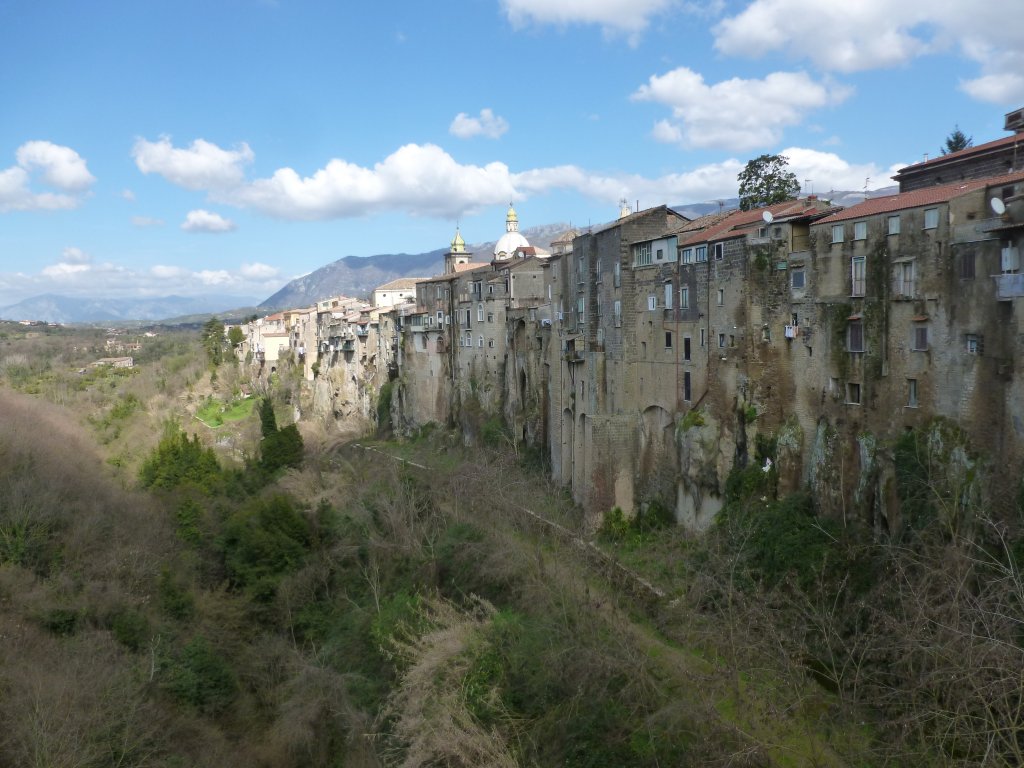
(866, 182)
(721, 205)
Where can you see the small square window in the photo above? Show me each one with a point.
(975, 344)
(853, 393)
(893, 225)
(860, 230)
(797, 278)
(931, 218)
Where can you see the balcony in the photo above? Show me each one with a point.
(1009, 287)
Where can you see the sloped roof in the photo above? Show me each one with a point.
(400, 284)
(731, 223)
(920, 197)
(955, 157)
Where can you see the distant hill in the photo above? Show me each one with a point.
(52, 308)
(357, 276)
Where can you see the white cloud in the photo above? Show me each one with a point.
(207, 221)
(734, 114)
(487, 124)
(202, 165)
(164, 272)
(421, 180)
(258, 271)
(54, 166)
(128, 195)
(65, 270)
(147, 221)
(61, 167)
(213, 277)
(74, 255)
(828, 171)
(872, 34)
(629, 17)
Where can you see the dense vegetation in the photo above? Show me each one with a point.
(242, 596)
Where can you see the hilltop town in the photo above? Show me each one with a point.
(644, 359)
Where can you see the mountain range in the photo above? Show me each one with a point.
(354, 276)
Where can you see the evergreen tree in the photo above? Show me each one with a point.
(268, 421)
(213, 340)
(957, 141)
(766, 180)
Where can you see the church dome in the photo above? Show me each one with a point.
(509, 243)
(511, 240)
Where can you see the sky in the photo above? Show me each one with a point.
(227, 146)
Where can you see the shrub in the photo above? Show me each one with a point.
(264, 541)
(200, 678)
(131, 628)
(280, 449)
(178, 461)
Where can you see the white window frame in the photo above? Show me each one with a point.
(617, 311)
(858, 275)
(642, 256)
(652, 303)
(904, 281)
(854, 394)
(912, 395)
(479, 313)
(893, 225)
(617, 275)
(700, 254)
(684, 297)
(719, 251)
(931, 218)
(860, 230)
(686, 257)
(838, 233)
(669, 290)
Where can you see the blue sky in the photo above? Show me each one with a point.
(226, 146)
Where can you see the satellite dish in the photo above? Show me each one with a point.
(998, 206)
(767, 216)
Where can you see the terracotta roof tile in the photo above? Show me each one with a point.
(920, 197)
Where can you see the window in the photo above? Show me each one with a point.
(469, 339)
(904, 283)
(581, 306)
(920, 340)
(797, 277)
(479, 313)
(721, 296)
(597, 269)
(975, 344)
(852, 393)
(652, 303)
(700, 253)
(659, 254)
(686, 347)
(703, 340)
(617, 310)
(480, 341)
(857, 276)
(855, 336)
(668, 339)
(967, 265)
(732, 340)
(617, 275)
(686, 386)
(669, 290)
(490, 342)
(684, 297)
(860, 230)
(837, 233)
(721, 341)
(440, 317)
(912, 393)
(642, 255)
(687, 256)
(931, 218)
(719, 251)
(490, 317)
(894, 225)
